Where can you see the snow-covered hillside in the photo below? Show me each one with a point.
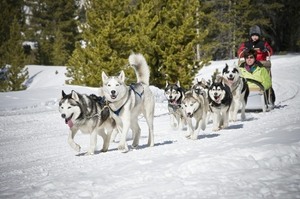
(256, 158)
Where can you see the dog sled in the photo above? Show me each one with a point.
(259, 99)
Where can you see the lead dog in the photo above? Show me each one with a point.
(88, 114)
(128, 102)
(239, 89)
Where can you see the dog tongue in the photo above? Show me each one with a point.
(70, 123)
(217, 99)
(230, 82)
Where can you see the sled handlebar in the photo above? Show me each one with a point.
(256, 83)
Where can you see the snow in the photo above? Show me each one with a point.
(256, 158)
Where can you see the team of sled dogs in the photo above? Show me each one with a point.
(117, 108)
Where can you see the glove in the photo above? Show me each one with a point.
(265, 50)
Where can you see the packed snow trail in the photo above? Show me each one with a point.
(256, 158)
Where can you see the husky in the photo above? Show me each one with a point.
(128, 102)
(239, 89)
(174, 94)
(194, 107)
(201, 89)
(88, 114)
(219, 98)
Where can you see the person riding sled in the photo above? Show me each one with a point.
(257, 75)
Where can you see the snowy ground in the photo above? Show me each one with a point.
(256, 158)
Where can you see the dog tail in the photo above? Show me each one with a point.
(139, 63)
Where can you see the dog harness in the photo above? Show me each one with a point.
(132, 87)
(101, 101)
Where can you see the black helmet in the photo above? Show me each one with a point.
(255, 30)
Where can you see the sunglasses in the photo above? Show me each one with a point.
(250, 57)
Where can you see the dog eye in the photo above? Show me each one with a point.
(69, 107)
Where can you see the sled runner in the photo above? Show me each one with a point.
(259, 98)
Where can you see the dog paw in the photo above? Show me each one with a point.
(103, 150)
(77, 148)
(150, 144)
(243, 117)
(89, 153)
(225, 126)
(123, 148)
(216, 129)
(194, 137)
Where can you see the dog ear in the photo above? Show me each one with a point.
(194, 94)
(104, 76)
(225, 69)
(178, 83)
(63, 94)
(167, 83)
(74, 95)
(122, 76)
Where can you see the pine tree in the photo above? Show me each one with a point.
(59, 54)
(9, 11)
(164, 31)
(106, 45)
(176, 39)
(47, 19)
(14, 59)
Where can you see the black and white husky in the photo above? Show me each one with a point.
(219, 98)
(239, 89)
(174, 94)
(195, 107)
(88, 114)
(128, 102)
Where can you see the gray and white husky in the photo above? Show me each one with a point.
(201, 88)
(195, 107)
(128, 102)
(88, 114)
(239, 89)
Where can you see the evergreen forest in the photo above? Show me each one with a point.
(177, 37)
